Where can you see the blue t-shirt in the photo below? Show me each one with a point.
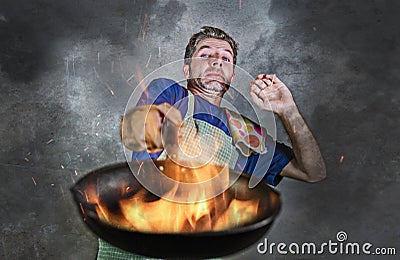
(165, 90)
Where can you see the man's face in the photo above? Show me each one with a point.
(211, 66)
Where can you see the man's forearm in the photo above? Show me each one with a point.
(271, 94)
(305, 147)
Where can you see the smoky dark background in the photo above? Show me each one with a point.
(68, 68)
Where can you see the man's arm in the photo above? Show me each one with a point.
(140, 128)
(270, 94)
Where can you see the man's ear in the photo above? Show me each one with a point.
(186, 71)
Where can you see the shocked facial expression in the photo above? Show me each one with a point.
(211, 67)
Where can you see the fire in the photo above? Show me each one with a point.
(163, 216)
(143, 212)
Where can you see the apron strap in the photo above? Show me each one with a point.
(190, 110)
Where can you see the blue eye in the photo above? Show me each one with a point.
(226, 59)
(205, 56)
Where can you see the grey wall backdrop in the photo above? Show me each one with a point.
(69, 67)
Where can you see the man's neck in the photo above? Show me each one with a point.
(214, 98)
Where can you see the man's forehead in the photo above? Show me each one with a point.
(214, 43)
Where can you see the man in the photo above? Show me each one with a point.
(210, 58)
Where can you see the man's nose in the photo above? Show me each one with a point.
(216, 62)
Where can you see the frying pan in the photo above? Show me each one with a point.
(112, 182)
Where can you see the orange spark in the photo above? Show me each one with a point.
(240, 166)
(122, 73)
(140, 77)
(140, 167)
(109, 88)
(105, 83)
(73, 64)
(145, 27)
(131, 77)
(341, 159)
(83, 211)
(62, 193)
(148, 61)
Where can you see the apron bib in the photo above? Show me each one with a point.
(202, 143)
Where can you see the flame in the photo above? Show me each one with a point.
(168, 217)
(158, 215)
(136, 213)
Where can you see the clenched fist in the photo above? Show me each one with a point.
(141, 128)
